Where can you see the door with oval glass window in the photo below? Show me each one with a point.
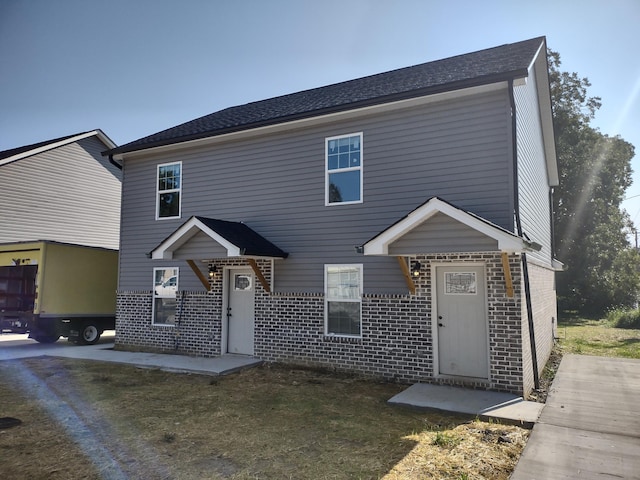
(240, 311)
(461, 321)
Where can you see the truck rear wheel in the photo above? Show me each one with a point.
(89, 334)
(46, 338)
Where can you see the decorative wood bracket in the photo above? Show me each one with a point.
(407, 275)
(201, 276)
(507, 274)
(258, 272)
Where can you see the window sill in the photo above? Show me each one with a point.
(341, 339)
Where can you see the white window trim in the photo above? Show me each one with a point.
(341, 170)
(154, 296)
(179, 190)
(327, 299)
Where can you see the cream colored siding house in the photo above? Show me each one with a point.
(397, 225)
(59, 238)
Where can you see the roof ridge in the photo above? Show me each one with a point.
(483, 66)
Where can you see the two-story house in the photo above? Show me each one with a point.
(61, 190)
(397, 225)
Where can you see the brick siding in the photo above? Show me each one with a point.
(396, 342)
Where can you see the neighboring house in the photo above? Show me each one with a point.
(397, 225)
(59, 238)
(61, 190)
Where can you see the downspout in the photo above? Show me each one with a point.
(114, 163)
(552, 228)
(525, 266)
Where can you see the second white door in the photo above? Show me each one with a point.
(240, 311)
(461, 321)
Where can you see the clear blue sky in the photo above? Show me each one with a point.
(135, 67)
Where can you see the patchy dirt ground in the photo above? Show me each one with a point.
(547, 376)
(91, 420)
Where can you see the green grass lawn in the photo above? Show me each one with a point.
(597, 337)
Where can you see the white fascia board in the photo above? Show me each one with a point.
(507, 242)
(182, 235)
(540, 67)
(317, 120)
(99, 133)
(105, 139)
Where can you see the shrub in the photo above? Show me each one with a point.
(624, 318)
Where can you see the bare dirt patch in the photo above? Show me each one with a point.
(92, 420)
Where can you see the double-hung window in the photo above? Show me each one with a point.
(169, 189)
(165, 286)
(343, 169)
(343, 299)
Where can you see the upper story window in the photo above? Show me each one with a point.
(344, 169)
(169, 187)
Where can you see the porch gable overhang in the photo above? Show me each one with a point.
(236, 238)
(506, 241)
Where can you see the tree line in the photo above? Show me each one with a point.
(591, 228)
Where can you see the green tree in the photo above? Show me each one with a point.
(590, 226)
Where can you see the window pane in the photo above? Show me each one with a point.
(169, 177)
(355, 159)
(343, 318)
(165, 282)
(343, 283)
(333, 162)
(169, 205)
(164, 311)
(344, 186)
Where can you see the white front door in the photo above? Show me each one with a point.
(461, 320)
(240, 311)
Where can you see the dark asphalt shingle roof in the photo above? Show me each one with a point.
(477, 68)
(16, 151)
(248, 240)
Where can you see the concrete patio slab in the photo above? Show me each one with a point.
(484, 404)
(20, 347)
(223, 365)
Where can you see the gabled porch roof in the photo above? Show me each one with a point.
(236, 238)
(504, 240)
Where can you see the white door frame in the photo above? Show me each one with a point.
(434, 316)
(226, 279)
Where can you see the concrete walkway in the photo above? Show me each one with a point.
(223, 365)
(483, 404)
(20, 347)
(590, 426)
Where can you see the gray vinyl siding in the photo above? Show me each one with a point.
(69, 194)
(456, 149)
(442, 234)
(200, 247)
(533, 181)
